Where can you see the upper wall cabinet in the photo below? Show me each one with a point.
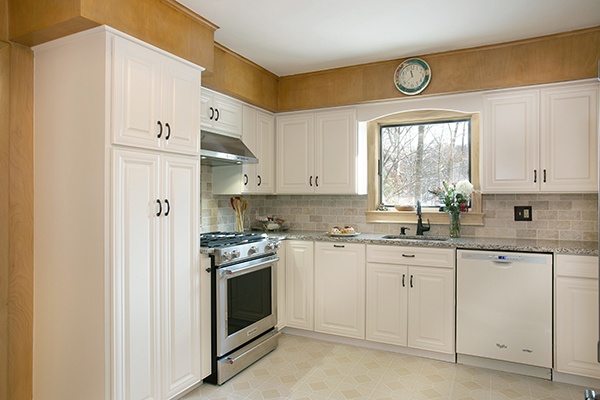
(541, 140)
(317, 152)
(221, 114)
(259, 135)
(155, 100)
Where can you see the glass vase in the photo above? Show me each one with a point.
(454, 224)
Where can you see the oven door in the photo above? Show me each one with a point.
(246, 302)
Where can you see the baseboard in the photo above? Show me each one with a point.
(371, 345)
(590, 383)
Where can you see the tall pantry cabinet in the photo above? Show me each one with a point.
(119, 306)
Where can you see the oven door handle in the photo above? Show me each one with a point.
(247, 267)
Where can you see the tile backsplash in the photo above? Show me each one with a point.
(555, 216)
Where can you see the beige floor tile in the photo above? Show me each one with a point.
(308, 369)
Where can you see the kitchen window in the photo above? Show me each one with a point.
(412, 152)
(414, 158)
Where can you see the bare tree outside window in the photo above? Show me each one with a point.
(418, 157)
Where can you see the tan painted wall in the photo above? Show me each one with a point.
(163, 23)
(242, 79)
(556, 58)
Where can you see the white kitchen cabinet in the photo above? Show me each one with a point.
(541, 140)
(299, 265)
(220, 113)
(576, 315)
(122, 305)
(259, 135)
(340, 289)
(317, 152)
(281, 289)
(156, 200)
(155, 100)
(410, 297)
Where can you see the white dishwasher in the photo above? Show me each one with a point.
(504, 306)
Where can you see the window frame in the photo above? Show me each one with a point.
(373, 215)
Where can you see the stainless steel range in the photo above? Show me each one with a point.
(244, 315)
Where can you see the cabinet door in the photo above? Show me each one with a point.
(136, 95)
(569, 146)
(299, 286)
(510, 143)
(577, 326)
(180, 96)
(281, 289)
(387, 303)
(295, 154)
(220, 114)
(228, 115)
(335, 152)
(259, 136)
(136, 277)
(431, 309)
(340, 289)
(265, 149)
(180, 275)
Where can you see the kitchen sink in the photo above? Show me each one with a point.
(414, 237)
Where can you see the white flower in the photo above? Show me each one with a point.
(464, 187)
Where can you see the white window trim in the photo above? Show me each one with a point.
(473, 217)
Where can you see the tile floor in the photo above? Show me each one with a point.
(303, 368)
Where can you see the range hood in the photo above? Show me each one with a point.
(218, 149)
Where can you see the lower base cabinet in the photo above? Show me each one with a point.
(410, 297)
(340, 289)
(299, 284)
(576, 315)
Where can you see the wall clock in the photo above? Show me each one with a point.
(412, 76)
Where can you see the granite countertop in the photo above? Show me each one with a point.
(498, 244)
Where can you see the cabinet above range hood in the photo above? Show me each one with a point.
(218, 149)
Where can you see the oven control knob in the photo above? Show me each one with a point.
(235, 254)
(226, 256)
(252, 250)
(269, 247)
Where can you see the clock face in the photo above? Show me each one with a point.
(412, 76)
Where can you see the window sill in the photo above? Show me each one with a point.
(410, 217)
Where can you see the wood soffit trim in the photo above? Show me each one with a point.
(196, 17)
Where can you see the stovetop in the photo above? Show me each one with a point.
(224, 239)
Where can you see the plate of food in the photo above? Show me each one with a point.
(346, 231)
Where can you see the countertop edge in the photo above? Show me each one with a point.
(493, 244)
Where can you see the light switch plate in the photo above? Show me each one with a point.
(523, 213)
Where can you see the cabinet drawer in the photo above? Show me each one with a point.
(577, 266)
(407, 255)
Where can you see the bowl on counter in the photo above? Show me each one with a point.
(404, 208)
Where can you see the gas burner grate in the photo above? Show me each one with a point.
(222, 239)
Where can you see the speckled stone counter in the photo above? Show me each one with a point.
(498, 244)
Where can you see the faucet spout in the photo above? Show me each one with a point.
(420, 227)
